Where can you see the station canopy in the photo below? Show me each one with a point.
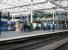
(24, 6)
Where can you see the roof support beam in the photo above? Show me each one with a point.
(59, 5)
(25, 5)
(7, 4)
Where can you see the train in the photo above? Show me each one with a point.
(40, 26)
(4, 25)
(7, 25)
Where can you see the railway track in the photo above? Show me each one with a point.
(63, 47)
(32, 43)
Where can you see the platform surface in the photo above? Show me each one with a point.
(16, 35)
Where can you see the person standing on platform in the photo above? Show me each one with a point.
(44, 26)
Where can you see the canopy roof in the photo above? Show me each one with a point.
(24, 6)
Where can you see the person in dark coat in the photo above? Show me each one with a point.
(25, 27)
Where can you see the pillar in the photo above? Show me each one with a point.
(12, 17)
(31, 11)
(17, 27)
(27, 19)
(0, 22)
(53, 17)
(66, 24)
(57, 25)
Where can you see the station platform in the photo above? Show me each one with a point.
(10, 35)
